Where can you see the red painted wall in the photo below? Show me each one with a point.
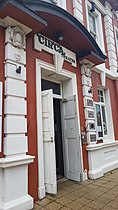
(111, 84)
(32, 118)
(69, 6)
(2, 52)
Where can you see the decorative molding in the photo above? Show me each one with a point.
(86, 72)
(103, 78)
(17, 36)
(9, 162)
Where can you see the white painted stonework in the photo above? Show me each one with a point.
(14, 180)
(109, 31)
(88, 103)
(102, 158)
(78, 10)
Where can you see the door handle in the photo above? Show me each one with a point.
(51, 139)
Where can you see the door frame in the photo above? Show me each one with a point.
(39, 66)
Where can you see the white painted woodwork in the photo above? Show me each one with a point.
(15, 124)
(15, 87)
(10, 71)
(15, 145)
(15, 106)
(14, 54)
(107, 154)
(71, 139)
(48, 142)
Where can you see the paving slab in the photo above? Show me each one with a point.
(91, 194)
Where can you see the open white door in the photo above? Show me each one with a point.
(48, 142)
(72, 151)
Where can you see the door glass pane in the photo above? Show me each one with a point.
(104, 120)
(99, 121)
(46, 85)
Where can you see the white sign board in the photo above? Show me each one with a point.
(0, 116)
(43, 43)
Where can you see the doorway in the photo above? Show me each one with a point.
(59, 146)
(58, 139)
(56, 90)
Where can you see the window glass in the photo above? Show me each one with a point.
(46, 85)
(101, 119)
(100, 96)
(92, 25)
(104, 120)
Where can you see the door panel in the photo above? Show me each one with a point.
(71, 139)
(48, 142)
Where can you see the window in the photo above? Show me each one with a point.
(101, 115)
(92, 25)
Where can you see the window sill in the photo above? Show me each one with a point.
(99, 146)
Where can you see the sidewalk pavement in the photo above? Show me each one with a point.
(91, 194)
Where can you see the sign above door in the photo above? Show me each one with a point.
(43, 43)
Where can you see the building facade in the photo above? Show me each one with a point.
(58, 95)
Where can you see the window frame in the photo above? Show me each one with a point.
(99, 29)
(92, 32)
(102, 104)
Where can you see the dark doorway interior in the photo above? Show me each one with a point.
(58, 139)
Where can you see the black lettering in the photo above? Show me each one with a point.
(56, 47)
(50, 44)
(46, 42)
(41, 39)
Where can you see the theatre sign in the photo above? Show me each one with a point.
(43, 43)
